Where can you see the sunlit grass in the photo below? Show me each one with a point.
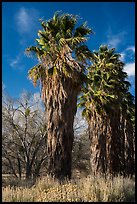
(88, 189)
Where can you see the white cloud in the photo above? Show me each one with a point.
(14, 62)
(128, 54)
(132, 48)
(130, 69)
(114, 40)
(132, 81)
(17, 62)
(122, 57)
(25, 20)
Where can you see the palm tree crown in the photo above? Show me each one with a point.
(60, 48)
(107, 82)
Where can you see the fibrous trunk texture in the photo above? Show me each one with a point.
(111, 143)
(129, 148)
(116, 145)
(97, 136)
(61, 105)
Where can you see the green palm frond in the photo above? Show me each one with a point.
(62, 42)
(56, 16)
(107, 82)
(86, 113)
(83, 53)
(103, 49)
(41, 41)
(74, 41)
(68, 21)
(36, 73)
(30, 51)
(82, 31)
(67, 70)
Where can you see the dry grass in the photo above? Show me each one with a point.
(88, 189)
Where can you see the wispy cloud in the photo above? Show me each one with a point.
(130, 69)
(122, 58)
(26, 20)
(17, 62)
(128, 54)
(23, 20)
(132, 81)
(132, 48)
(115, 40)
(128, 57)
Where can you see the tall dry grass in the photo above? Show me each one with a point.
(88, 189)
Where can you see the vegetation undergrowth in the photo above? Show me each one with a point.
(86, 189)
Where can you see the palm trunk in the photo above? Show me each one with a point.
(97, 135)
(108, 146)
(117, 143)
(129, 148)
(122, 131)
(61, 106)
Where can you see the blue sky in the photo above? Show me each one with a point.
(112, 22)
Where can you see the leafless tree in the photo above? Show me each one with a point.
(24, 136)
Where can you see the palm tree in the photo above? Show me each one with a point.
(103, 102)
(128, 108)
(63, 56)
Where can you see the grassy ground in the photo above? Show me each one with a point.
(85, 189)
